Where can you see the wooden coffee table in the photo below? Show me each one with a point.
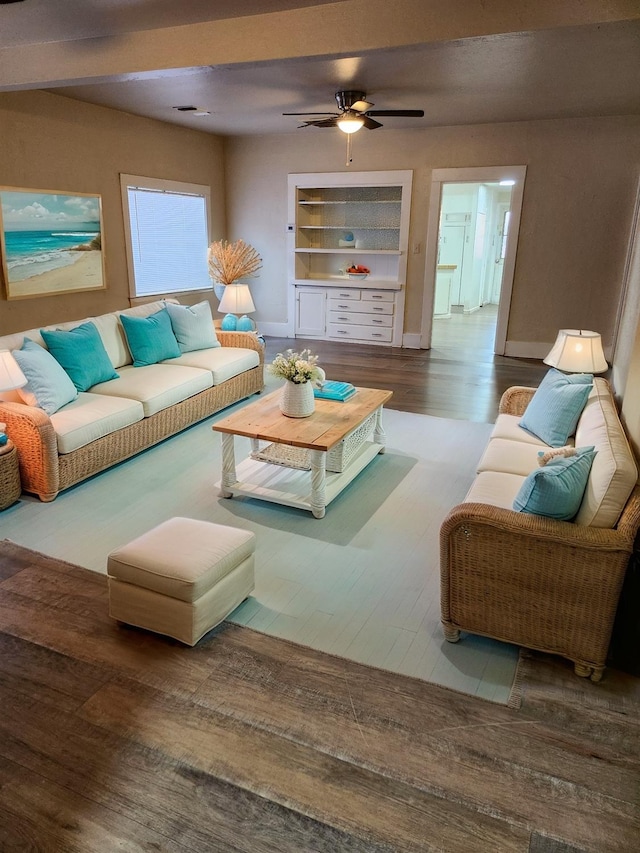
(308, 461)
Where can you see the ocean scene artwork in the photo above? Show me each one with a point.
(51, 242)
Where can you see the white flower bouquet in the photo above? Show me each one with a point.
(296, 367)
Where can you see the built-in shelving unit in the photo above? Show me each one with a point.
(341, 219)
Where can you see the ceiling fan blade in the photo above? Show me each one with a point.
(361, 106)
(323, 122)
(410, 113)
(325, 113)
(370, 123)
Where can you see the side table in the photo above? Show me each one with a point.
(10, 486)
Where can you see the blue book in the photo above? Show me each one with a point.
(332, 390)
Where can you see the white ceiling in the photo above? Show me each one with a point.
(119, 53)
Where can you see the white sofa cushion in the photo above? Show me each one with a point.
(156, 386)
(511, 457)
(115, 343)
(508, 426)
(614, 472)
(92, 416)
(495, 488)
(223, 362)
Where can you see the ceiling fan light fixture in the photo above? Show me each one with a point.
(350, 122)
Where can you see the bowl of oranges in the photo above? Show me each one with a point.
(357, 271)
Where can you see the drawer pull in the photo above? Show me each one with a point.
(377, 321)
(343, 306)
(376, 335)
(377, 309)
(346, 319)
(342, 332)
(376, 296)
(345, 295)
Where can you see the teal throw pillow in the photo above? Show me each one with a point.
(150, 339)
(556, 490)
(81, 353)
(193, 326)
(556, 406)
(48, 386)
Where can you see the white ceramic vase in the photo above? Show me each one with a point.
(297, 400)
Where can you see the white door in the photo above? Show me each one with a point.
(452, 240)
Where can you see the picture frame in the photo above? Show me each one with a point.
(51, 242)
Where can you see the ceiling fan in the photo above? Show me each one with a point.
(355, 112)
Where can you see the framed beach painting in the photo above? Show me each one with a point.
(51, 242)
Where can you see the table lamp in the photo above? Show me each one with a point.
(577, 351)
(11, 377)
(236, 299)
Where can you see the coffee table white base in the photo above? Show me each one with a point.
(310, 490)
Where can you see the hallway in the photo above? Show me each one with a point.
(465, 336)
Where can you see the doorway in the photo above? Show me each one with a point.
(474, 219)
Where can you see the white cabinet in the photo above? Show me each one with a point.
(341, 219)
(311, 312)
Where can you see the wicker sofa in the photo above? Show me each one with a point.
(116, 419)
(534, 581)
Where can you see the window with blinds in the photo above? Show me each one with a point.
(167, 235)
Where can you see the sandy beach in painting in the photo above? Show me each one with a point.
(85, 273)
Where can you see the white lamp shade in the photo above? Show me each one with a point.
(11, 376)
(577, 351)
(236, 299)
(350, 122)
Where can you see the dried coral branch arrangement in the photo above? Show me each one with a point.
(229, 262)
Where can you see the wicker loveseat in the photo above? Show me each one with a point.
(534, 581)
(118, 418)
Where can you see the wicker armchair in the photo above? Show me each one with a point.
(536, 582)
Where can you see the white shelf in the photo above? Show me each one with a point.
(343, 281)
(349, 228)
(354, 201)
(352, 251)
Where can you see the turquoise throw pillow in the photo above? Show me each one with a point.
(193, 326)
(556, 490)
(150, 339)
(48, 386)
(81, 353)
(553, 411)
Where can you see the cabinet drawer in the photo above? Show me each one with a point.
(362, 306)
(345, 293)
(378, 295)
(359, 333)
(340, 317)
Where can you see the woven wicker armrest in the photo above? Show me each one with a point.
(515, 400)
(241, 339)
(525, 530)
(33, 434)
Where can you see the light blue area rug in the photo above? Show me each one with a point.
(362, 583)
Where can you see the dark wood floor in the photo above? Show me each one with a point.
(114, 739)
(459, 377)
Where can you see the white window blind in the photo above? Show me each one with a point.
(169, 240)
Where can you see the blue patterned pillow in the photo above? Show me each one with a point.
(150, 339)
(48, 386)
(81, 353)
(553, 411)
(556, 490)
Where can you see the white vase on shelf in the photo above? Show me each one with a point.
(297, 400)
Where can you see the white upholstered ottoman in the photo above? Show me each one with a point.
(181, 578)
